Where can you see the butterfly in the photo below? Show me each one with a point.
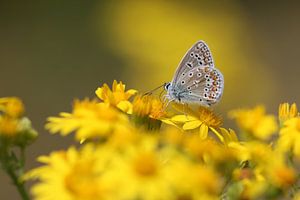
(196, 80)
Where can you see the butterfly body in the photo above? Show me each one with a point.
(196, 80)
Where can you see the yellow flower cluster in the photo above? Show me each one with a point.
(15, 129)
(144, 151)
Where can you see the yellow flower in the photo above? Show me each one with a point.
(116, 97)
(142, 169)
(289, 136)
(8, 126)
(194, 181)
(148, 106)
(89, 119)
(12, 106)
(286, 111)
(232, 142)
(71, 175)
(255, 122)
(204, 120)
(283, 176)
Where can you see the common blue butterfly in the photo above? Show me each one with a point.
(196, 80)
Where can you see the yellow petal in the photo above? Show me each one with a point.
(125, 106)
(168, 121)
(192, 125)
(203, 131)
(293, 110)
(131, 92)
(182, 118)
(99, 93)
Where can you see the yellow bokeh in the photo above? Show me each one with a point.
(153, 36)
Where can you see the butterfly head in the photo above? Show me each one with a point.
(167, 85)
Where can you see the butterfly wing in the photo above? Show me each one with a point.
(198, 55)
(202, 85)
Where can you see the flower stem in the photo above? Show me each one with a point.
(20, 185)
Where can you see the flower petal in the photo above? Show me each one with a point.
(125, 106)
(192, 125)
(182, 118)
(203, 131)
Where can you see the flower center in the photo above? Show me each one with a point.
(145, 165)
(82, 182)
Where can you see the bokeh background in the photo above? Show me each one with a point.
(54, 51)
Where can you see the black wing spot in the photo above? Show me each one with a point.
(189, 65)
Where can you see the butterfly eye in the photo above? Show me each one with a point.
(206, 89)
(167, 86)
(182, 82)
(199, 74)
(192, 54)
(208, 85)
(190, 74)
(189, 88)
(206, 76)
(190, 92)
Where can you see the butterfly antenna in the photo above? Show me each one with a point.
(151, 91)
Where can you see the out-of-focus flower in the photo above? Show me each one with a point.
(71, 174)
(89, 119)
(12, 106)
(195, 181)
(282, 176)
(286, 111)
(232, 142)
(117, 97)
(8, 126)
(289, 136)
(255, 122)
(15, 129)
(203, 120)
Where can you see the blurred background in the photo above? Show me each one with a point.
(54, 51)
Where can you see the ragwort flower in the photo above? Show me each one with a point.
(255, 122)
(204, 120)
(89, 119)
(148, 111)
(71, 175)
(286, 111)
(12, 106)
(116, 97)
(289, 136)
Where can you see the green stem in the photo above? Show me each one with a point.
(20, 185)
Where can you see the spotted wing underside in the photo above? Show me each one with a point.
(198, 55)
